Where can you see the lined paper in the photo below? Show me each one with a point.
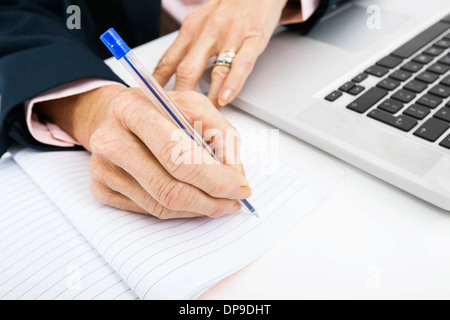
(42, 254)
(175, 259)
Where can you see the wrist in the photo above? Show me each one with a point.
(79, 115)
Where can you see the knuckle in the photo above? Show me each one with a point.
(212, 22)
(255, 31)
(161, 212)
(95, 190)
(170, 195)
(150, 205)
(103, 140)
(171, 153)
(219, 72)
(188, 24)
(96, 167)
(181, 162)
(217, 211)
(247, 62)
(124, 109)
(102, 172)
(185, 71)
(101, 193)
(164, 65)
(132, 111)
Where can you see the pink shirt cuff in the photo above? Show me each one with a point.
(50, 133)
(292, 14)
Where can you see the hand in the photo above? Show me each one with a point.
(243, 26)
(134, 161)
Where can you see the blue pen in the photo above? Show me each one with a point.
(156, 93)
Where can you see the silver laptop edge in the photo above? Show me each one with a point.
(291, 79)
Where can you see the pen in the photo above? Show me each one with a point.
(156, 93)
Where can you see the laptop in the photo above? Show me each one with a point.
(370, 84)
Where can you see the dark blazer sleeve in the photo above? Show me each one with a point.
(37, 53)
(324, 7)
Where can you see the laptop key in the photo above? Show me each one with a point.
(401, 75)
(421, 40)
(347, 87)
(423, 58)
(367, 100)
(404, 96)
(334, 96)
(416, 86)
(356, 90)
(446, 81)
(441, 91)
(412, 67)
(443, 114)
(401, 122)
(445, 60)
(434, 51)
(439, 68)
(446, 142)
(388, 84)
(417, 111)
(377, 71)
(430, 101)
(390, 62)
(443, 43)
(360, 78)
(427, 77)
(432, 129)
(391, 106)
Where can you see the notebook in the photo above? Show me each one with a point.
(58, 242)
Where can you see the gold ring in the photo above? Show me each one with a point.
(225, 58)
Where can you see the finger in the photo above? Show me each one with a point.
(124, 192)
(220, 73)
(188, 31)
(218, 77)
(156, 181)
(170, 60)
(215, 128)
(243, 64)
(179, 155)
(191, 68)
(114, 199)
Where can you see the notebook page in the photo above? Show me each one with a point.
(176, 259)
(42, 255)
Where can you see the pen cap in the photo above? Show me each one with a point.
(115, 43)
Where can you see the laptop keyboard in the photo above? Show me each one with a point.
(413, 87)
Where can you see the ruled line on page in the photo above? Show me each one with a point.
(154, 256)
(195, 236)
(203, 256)
(38, 245)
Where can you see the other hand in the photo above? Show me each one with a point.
(242, 26)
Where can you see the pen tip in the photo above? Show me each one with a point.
(256, 214)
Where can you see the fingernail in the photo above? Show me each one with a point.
(237, 207)
(244, 182)
(225, 98)
(244, 193)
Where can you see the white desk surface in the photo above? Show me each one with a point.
(370, 241)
